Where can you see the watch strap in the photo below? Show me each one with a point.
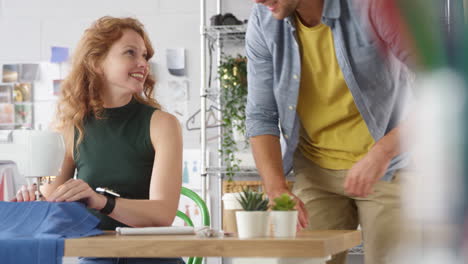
(110, 205)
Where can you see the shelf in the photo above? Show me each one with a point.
(245, 173)
(243, 170)
(236, 32)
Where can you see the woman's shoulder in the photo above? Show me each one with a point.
(162, 118)
(164, 125)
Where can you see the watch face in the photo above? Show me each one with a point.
(111, 192)
(106, 191)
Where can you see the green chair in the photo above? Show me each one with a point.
(204, 214)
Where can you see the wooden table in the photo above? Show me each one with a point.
(307, 244)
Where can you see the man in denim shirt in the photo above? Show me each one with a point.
(330, 78)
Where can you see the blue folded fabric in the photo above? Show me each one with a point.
(34, 232)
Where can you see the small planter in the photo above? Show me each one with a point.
(284, 223)
(252, 223)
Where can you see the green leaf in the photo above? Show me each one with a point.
(284, 203)
(253, 201)
(232, 73)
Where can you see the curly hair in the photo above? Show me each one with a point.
(80, 91)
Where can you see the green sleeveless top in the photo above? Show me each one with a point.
(117, 153)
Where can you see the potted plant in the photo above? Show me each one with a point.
(284, 216)
(253, 221)
(232, 73)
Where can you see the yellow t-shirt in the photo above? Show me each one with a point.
(334, 135)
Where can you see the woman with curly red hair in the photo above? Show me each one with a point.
(116, 135)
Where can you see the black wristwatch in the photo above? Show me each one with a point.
(110, 203)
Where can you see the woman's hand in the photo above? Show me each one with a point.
(75, 190)
(26, 193)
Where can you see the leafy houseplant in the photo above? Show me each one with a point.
(284, 216)
(252, 201)
(232, 73)
(283, 203)
(253, 221)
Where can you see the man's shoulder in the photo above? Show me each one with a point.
(264, 16)
(261, 11)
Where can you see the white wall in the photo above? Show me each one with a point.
(28, 28)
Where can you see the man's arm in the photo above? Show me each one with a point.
(267, 154)
(389, 28)
(266, 150)
(262, 115)
(368, 171)
(261, 111)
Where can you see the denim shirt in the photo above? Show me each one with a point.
(371, 56)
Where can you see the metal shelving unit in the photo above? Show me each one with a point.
(213, 37)
(225, 33)
(220, 35)
(243, 170)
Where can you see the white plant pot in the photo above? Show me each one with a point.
(284, 223)
(252, 223)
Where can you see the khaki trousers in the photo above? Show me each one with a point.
(329, 207)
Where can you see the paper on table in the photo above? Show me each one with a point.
(164, 230)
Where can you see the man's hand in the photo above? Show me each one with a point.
(302, 216)
(267, 153)
(364, 174)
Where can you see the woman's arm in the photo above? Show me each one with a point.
(166, 181)
(166, 178)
